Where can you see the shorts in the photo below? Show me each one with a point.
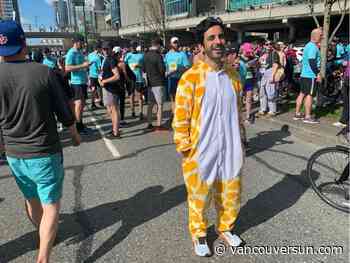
(172, 86)
(140, 87)
(79, 91)
(110, 99)
(40, 178)
(155, 94)
(308, 86)
(94, 82)
(249, 85)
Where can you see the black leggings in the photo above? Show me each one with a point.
(121, 95)
(345, 93)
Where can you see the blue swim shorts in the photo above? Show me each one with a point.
(40, 178)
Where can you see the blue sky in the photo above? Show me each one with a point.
(42, 9)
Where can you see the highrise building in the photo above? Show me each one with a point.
(9, 10)
(61, 13)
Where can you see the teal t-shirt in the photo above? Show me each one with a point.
(74, 57)
(311, 51)
(135, 62)
(175, 61)
(50, 62)
(95, 68)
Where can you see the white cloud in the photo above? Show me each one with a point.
(49, 2)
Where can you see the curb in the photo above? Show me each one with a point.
(308, 135)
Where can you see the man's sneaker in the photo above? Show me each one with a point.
(339, 124)
(201, 247)
(271, 114)
(231, 239)
(123, 124)
(298, 116)
(260, 114)
(311, 121)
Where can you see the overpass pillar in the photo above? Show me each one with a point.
(292, 32)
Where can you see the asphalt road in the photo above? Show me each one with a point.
(132, 208)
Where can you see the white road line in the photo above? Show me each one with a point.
(109, 144)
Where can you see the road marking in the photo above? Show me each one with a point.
(109, 144)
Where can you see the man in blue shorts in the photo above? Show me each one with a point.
(176, 63)
(29, 108)
(310, 77)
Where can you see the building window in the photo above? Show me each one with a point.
(177, 7)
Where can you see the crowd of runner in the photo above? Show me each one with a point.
(152, 73)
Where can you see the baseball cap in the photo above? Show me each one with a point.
(11, 38)
(174, 39)
(116, 50)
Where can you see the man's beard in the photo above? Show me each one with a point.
(210, 53)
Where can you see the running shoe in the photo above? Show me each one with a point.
(201, 247)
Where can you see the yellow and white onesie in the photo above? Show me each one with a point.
(207, 127)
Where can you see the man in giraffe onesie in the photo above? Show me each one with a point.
(207, 131)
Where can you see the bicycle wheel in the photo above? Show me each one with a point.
(328, 172)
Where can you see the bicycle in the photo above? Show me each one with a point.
(328, 173)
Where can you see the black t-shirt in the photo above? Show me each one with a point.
(272, 58)
(109, 64)
(28, 108)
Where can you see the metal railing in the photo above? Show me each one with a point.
(235, 5)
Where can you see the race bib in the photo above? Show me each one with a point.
(173, 67)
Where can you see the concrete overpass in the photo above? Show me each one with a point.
(65, 35)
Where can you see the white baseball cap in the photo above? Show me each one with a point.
(116, 49)
(174, 39)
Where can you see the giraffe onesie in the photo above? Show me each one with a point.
(207, 131)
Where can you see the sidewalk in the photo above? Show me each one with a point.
(323, 133)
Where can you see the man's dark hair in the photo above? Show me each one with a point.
(78, 38)
(98, 45)
(46, 51)
(157, 41)
(204, 25)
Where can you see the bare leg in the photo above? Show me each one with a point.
(308, 106)
(48, 230)
(172, 99)
(299, 102)
(159, 114)
(34, 211)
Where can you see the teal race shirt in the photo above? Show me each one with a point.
(175, 61)
(74, 57)
(50, 62)
(311, 51)
(96, 64)
(135, 62)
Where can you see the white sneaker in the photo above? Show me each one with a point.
(231, 239)
(201, 247)
(339, 124)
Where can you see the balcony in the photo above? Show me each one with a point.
(239, 5)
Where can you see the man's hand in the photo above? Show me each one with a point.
(100, 81)
(318, 79)
(86, 64)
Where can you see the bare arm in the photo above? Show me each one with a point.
(71, 68)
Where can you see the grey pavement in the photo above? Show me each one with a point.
(133, 208)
